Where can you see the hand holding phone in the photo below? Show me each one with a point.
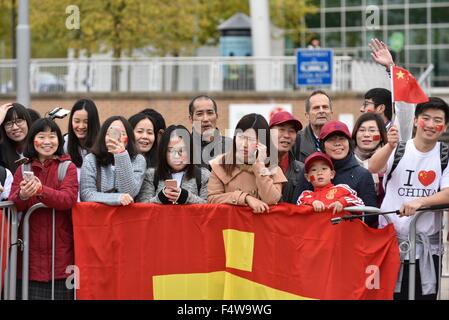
(28, 175)
(171, 184)
(115, 133)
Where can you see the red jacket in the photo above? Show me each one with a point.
(61, 196)
(329, 194)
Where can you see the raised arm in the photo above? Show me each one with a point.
(129, 174)
(380, 53)
(380, 158)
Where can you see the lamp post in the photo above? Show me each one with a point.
(23, 55)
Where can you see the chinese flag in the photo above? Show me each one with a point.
(405, 87)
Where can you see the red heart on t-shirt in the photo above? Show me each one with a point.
(426, 177)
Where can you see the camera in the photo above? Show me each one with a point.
(58, 112)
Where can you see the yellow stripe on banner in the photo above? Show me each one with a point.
(214, 286)
(239, 248)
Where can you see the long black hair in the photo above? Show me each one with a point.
(150, 156)
(8, 152)
(42, 125)
(250, 121)
(104, 158)
(93, 127)
(163, 170)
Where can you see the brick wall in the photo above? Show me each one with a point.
(174, 107)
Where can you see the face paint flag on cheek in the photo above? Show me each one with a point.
(312, 178)
(439, 127)
(376, 137)
(36, 144)
(421, 123)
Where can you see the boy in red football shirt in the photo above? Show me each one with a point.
(319, 171)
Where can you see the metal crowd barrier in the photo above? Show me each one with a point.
(8, 246)
(412, 254)
(26, 250)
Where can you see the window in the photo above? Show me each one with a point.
(333, 39)
(333, 3)
(440, 15)
(440, 35)
(441, 72)
(354, 39)
(418, 36)
(379, 2)
(418, 56)
(313, 20)
(396, 16)
(418, 16)
(354, 18)
(333, 19)
(353, 3)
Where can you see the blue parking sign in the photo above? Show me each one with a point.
(314, 67)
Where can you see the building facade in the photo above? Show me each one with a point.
(417, 31)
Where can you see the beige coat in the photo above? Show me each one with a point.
(233, 189)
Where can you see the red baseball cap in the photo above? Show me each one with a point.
(334, 126)
(283, 117)
(317, 156)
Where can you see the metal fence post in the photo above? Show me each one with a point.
(412, 256)
(13, 256)
(26, 248)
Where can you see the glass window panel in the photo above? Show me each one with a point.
(333, 39)
(333, 3)
(354, 39)
(440, 15)
(396, 17)
(333, 19)
(418, 16)
(418, 56)
(440, 35)
(354, 18)
(313, 20)
(353, 3)
(441, 71)
(418, 36)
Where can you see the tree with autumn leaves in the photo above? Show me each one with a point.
(173, 28)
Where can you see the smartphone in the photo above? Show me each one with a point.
(28, 175)
(114, 133)
(171, 183)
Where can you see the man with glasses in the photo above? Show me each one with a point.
(207, 141)
(378, 100)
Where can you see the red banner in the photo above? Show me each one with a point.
(148, 251)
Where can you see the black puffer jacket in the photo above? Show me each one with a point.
(296, 181)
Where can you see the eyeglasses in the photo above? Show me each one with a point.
(371, 130)
(179, 152)
(367, 103)
(19, 122)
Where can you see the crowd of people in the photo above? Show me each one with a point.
(321, 165)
